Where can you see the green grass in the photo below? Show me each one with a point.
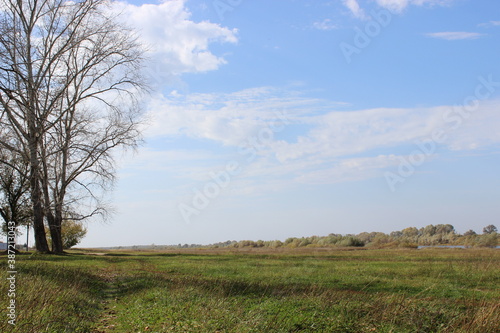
(431, 290)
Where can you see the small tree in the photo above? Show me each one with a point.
(72, 233)
(490, 229)
(470, 232)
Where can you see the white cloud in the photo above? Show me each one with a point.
(478, 130)
(399, 5)
(454, 35)
(395, 6)
(225, 118)
(319, 143)
(338, 134)
(490, 24)
(326, 24)
(175, 43)
(349, 169)
(355, 9)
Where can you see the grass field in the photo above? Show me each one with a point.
(307, 290)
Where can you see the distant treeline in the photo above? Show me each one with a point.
(440, 234)
(431, 235)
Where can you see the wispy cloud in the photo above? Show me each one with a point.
(490, 24)
(322, 143)
(326, 24)
(355, 9)
(225, 118)
(454, 35)
(399, 5)
(358, 8)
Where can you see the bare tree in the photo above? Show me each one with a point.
(70, 73)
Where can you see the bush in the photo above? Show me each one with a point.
(351, 241)
(488, 240)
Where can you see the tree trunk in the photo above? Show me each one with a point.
(52, 217)
(38, 227)
(41, 244)
(55, 232)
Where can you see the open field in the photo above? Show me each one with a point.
(307, 290)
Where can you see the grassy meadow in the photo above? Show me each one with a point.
(283, 290)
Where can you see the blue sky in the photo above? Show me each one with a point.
(276, 119)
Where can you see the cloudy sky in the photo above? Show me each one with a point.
(290, 118)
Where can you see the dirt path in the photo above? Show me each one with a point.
(106, 322)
